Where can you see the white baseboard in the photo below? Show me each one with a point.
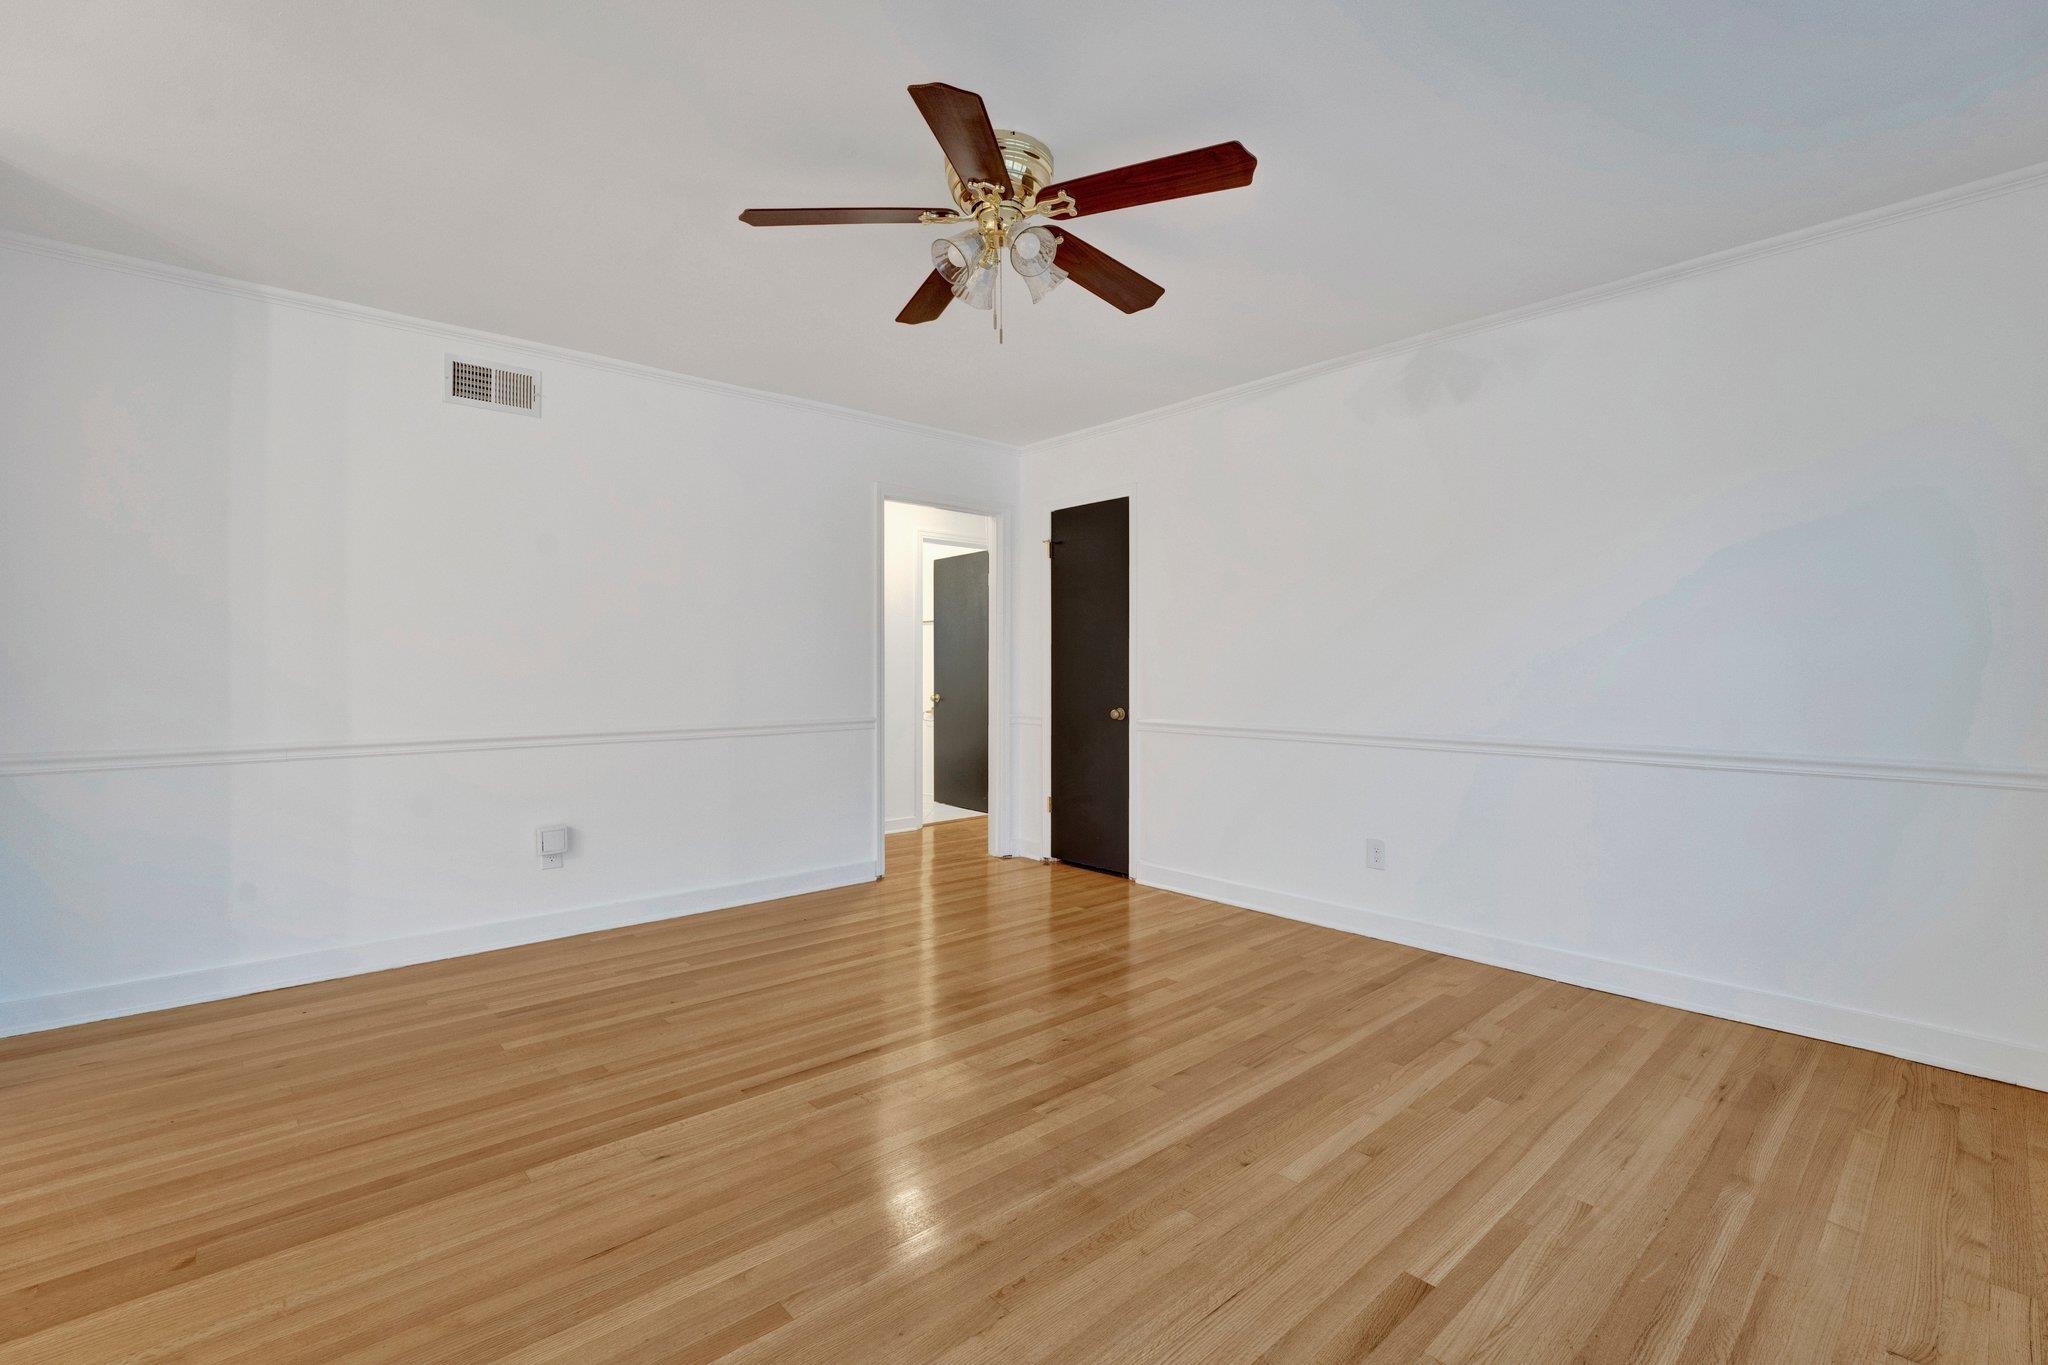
(36, 1013)
(1997, 1058)
(1027, 848)
(902, 824)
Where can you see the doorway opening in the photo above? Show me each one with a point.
(938, 732)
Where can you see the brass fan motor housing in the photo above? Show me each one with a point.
(1028, 161)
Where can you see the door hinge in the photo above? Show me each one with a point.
(1048, 803)
(1048, 548)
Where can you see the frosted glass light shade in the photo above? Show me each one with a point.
(1031, 255)
(977, 288)
(956, 256)
(1044, 283)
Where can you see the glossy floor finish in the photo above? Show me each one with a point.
(999, 1111)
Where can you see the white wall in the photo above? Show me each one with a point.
(295, 656)
(906, 566)
(1691, 641)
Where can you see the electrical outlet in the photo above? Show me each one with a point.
(1376, 854)
(551, 843)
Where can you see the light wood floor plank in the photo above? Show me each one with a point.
(992, 1110)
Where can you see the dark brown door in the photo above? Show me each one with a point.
(960, 681)
(1091, 671)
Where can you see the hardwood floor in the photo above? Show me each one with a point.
(1000, 1111)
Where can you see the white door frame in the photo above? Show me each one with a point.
(969, 543)
(1001, 519)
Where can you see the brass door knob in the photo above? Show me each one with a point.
(1116, 713)
(935, 699)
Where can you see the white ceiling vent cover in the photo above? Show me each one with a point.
(472, 381)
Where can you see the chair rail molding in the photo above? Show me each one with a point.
(26, 765)
(1797, 765)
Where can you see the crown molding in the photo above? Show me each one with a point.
(1794, 765)
(1941, 201)
(1976, 191)
(29, 765)
(32, 245)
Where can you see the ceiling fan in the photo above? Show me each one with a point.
(1002, 184)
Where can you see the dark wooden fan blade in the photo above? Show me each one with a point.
(1103, 276)
(808, 217)
(929, 301)
(959, 120)
(1226, 166)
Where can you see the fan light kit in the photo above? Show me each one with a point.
(1002, 185)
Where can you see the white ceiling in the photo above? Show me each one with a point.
(571, 173)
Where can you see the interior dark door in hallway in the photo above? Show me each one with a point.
(1091, 670)
(960, 681)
